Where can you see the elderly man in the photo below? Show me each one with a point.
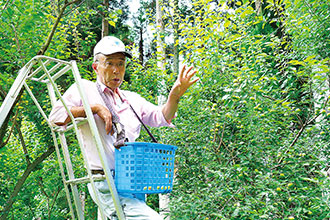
(109, 65)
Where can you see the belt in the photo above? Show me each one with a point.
(102, 172)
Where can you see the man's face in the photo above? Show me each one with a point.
(111, 69)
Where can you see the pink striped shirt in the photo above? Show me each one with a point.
(150, 114)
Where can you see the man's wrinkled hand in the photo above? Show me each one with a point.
(106, 116)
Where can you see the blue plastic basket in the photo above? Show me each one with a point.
(144, 168)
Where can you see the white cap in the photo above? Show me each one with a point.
(110, 45)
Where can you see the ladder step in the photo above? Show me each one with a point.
(85, 179)
(79, 121)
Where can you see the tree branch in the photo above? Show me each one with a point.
(2, 144)
(226, 202)
(4, 7)
(3, 128)
(221, 139)
(303, 127)
(52, 32)
(268, 97)
(3, 94)
(16, 39)
(41, 185)
(20, 135)
(77, 6)
(54, 200)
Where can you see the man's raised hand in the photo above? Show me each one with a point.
(183, 81)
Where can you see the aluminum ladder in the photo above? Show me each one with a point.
(46, 70)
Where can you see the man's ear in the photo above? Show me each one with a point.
(94, 66)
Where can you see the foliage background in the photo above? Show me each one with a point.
(252, 133)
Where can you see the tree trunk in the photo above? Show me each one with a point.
(176, 37)
(258, 4)
(160, 50)
(163, 199)
(105, 23)
(141, 52)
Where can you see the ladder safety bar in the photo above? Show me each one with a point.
(60, 73)
(38, 69)
(40, 79)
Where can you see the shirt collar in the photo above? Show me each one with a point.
(105, 89)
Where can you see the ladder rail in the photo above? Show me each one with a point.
(71, 176)
(67, 193)
(56, 147)
(34, 99)
(64, 146)
(23, 74)
(67, 160)
(12, 94)
(86, 179)
(80, 141)
(59, 73)
(79, 121)
(98, 143)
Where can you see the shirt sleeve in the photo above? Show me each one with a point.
(71, 98)
(149, 113)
